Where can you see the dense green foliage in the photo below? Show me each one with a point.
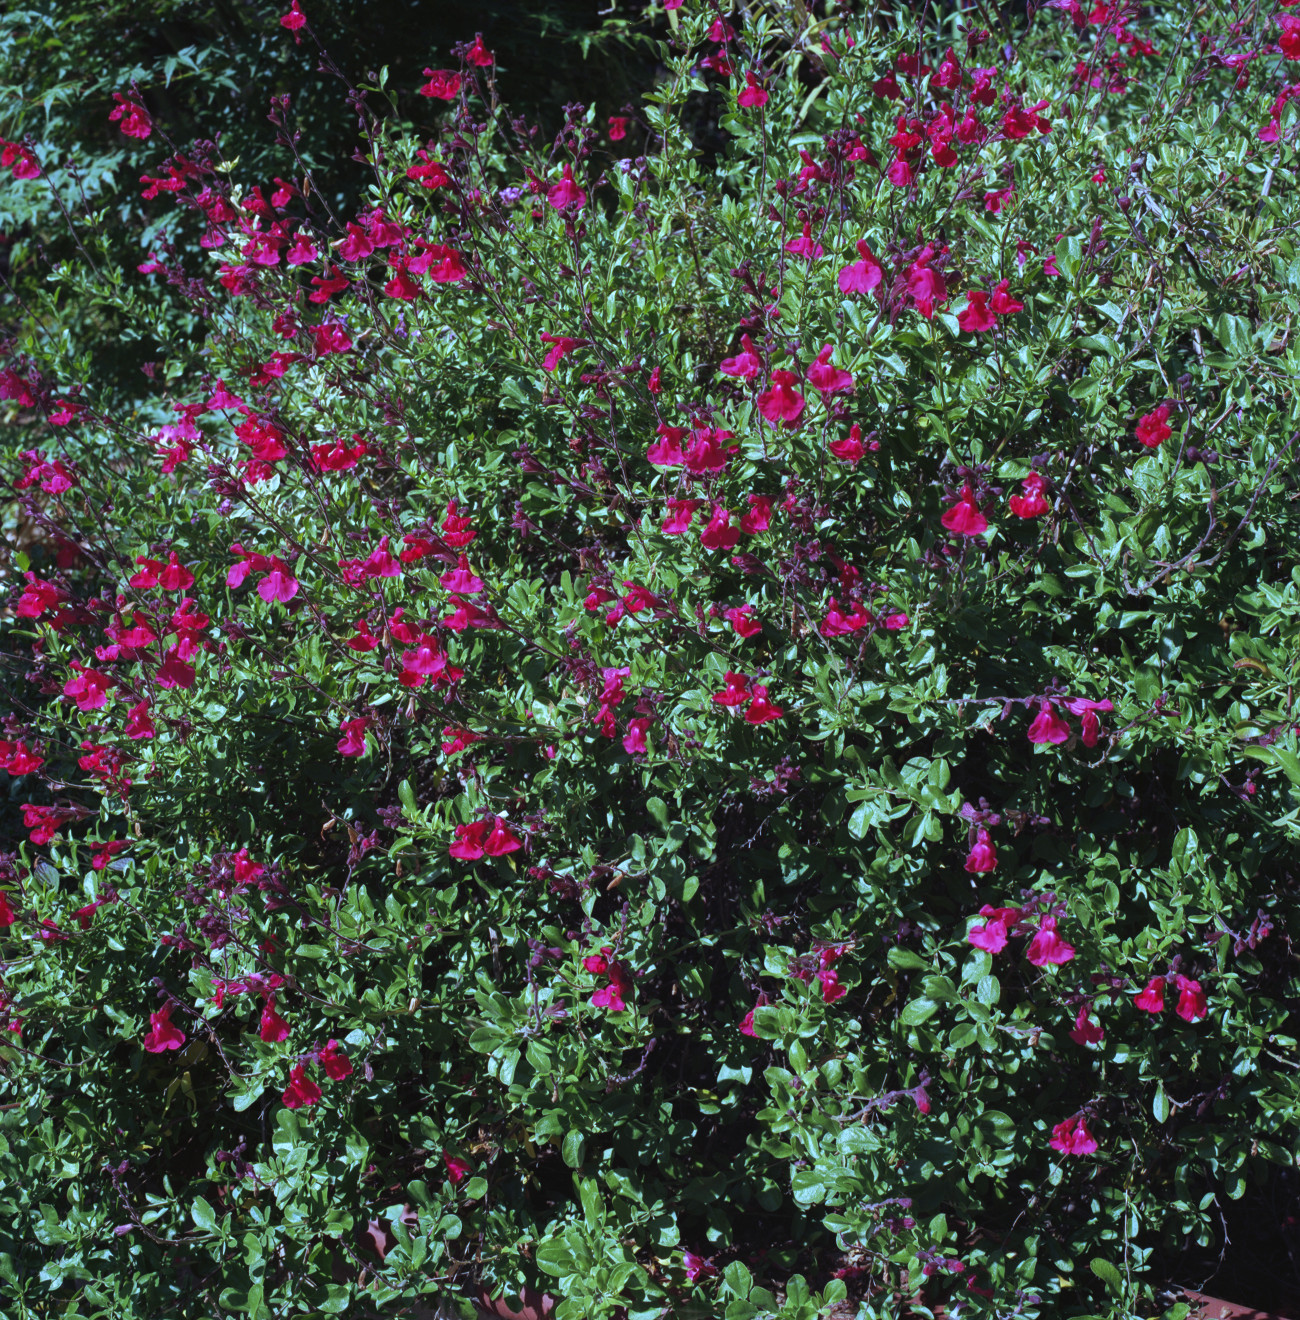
(531, 708)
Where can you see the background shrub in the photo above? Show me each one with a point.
(709, 735)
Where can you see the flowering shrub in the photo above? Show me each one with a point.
(711, 740)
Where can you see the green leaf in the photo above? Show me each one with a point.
(918, 1011)
(574, 1149)
(205, 1217)
(1107, 1273)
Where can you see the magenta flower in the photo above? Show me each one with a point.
(753, 95)
(457, 1169)
(1086, 1031)
(851, 449)
(272, 1027)
(805, 245)
(1048, 726)
(742, 620)
(561, 347)
(443, 84)
(735, 692)
(667, 450)
(864, 275)
(301, 1091)
(992, 936)
(965, 518)
(1047, 946)
(679, 517)
(827, 379)
(500, 840)
(336, 1064)
(761, 710)
(1192, 1004)
(720, 534)
(982, 856)
(279, 584)
(1031, 502)
(566, 192)
(1151, 999)
(1071, 1137)
(977, 316)
(831, 987)
(352, 740)
(634, 741)
(162, 1035)
(697, 1267)
(1153, 428)
(745, 364)
(782, 403)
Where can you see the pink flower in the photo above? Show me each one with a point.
(1082, 706)
(294, 19)
(1151, 999)
(747, 1024)
(279, 584)
(827, 379)
(831, 987)
(618, 127)
(478, 54)
(965, 518)
(667, 450)
(336, 1064)
(562, 346)
(1071, 1137)
(272, 1027)
(162, 1035)
(982, 856)
(566, 192)
(720, 534)
(977, 315)
(1086, 1031)
(753, 95)
(1048, 726)
(745, 364)
(864, 275)
(457, 1169)
(1153, 428)
(7, 917)
(301, 1090)
(139, 723)
(1192, 1004)
(1047, 946)
(1031, 502)
(782, 403)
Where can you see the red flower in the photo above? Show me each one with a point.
(964, 518)
(696, 1266)
(7, 917)
(1151, 999)
(1192, 1004)
(850, 449)
(634, 741)
(782, 403)
(162, 1035)
(982, 856)
(1048, 726)
(457, 1169)
(1153, 428)
(667, 450)
(831, 987)
(992, 936)
(1071, 1137)
(805, 245)
(336, 1064)
(139, 724)
(301, 1091)
(478, 54)
(1003, 303)
(618, 127)
(457, 530)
